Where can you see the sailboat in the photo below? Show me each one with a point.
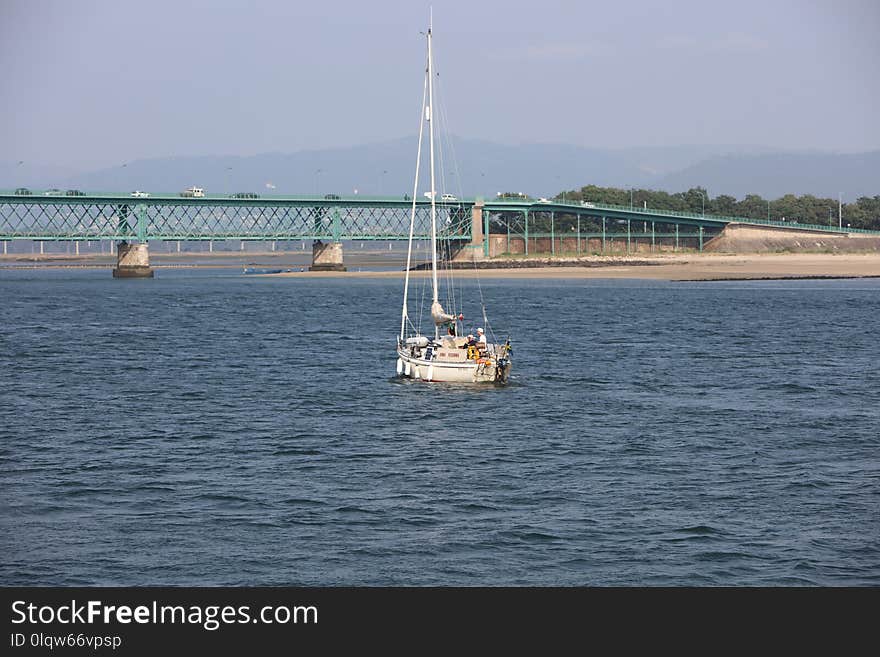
(448, 357)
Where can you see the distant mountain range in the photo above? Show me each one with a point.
(483, 168)
(774, 174)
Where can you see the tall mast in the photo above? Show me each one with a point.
(412, 214)
(430, 118)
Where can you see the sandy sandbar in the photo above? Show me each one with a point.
(701, 267)
(670, 267)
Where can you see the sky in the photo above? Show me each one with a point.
(97, 83)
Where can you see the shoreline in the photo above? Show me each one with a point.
(672, 267)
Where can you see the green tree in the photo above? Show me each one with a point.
(724, 205)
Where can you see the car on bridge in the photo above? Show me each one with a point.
(22, 191)
(139, 194)
(245, 195)
(53, 192)
(74, 192)
(193, 192)
(331, 197)
(448, 197)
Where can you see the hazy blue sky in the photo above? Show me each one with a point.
(94, 83)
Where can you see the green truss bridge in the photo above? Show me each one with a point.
(474, 227)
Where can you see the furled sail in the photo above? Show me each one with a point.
(439, 315)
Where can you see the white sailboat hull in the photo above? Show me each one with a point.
(432, 371)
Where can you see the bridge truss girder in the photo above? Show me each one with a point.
(78, 219)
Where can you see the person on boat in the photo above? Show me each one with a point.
(479, 347)
(473, 351)
(451, 329)
(482, 345)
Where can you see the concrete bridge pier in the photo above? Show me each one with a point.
(478, 248)
(327, 256)
(133, 261)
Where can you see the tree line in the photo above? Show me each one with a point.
(807, 209)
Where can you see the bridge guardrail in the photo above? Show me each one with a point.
(318, 199)
(687, 215)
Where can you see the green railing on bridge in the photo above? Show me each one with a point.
(657, 215)
(61, 196)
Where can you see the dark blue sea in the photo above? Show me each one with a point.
(210, 428)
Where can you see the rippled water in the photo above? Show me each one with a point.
(209, 428)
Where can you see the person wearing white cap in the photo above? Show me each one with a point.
(481, 339)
